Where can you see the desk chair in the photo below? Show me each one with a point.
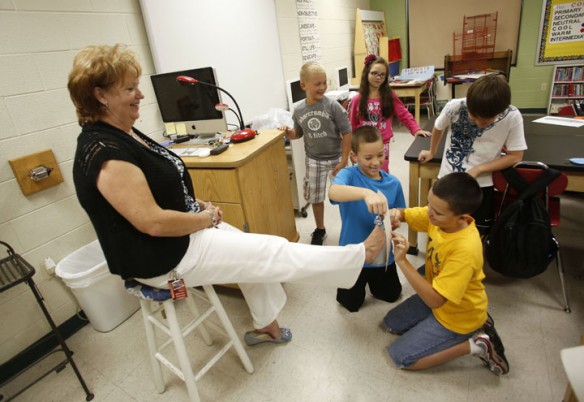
(164, 317)
(427, 98)
(505, 194)
(438, 103)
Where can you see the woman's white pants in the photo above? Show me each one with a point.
(258, 263)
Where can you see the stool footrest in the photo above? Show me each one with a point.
(175, 370)
(213, 360)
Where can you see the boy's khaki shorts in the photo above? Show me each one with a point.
(315, 181)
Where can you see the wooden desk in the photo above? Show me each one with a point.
(250, 183)
(405, 91)
(550, 144)
(501, 61)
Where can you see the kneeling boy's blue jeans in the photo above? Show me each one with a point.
(421, 334)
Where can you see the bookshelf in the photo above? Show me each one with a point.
(567, 87)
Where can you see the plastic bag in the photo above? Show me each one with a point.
(274, 118)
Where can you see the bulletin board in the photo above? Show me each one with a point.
(431, 24)
(561, 32)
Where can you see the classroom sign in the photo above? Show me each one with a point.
(561, 32)
(308, 29)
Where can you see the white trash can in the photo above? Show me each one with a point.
(100, 294)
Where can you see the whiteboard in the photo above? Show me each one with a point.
(238, 38)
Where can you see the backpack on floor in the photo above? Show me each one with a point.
(520, 243)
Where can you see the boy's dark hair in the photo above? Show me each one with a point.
(461, 191)
(488, 96)
(364, 134)
(384, 89)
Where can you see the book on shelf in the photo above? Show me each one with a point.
(575, 73)
(570, 90)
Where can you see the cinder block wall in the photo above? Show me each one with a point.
(39, 40)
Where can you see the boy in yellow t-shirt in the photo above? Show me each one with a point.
(447, 317)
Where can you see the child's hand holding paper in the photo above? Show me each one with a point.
(376, 203)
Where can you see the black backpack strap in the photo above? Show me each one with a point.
(515, 180)
(525, 189)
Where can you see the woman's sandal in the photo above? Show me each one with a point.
(253, 338)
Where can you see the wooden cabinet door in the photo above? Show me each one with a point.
(233, 214)
(216, 185)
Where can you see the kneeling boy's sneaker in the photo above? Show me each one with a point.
(489, 328)
(318, 236)
(490, 322)
(492, 353)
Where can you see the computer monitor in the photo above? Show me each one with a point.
(342, 78)
(294, 92)
(192, 104)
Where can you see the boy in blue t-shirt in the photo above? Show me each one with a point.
(356, 190)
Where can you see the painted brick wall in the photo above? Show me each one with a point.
(39, 40)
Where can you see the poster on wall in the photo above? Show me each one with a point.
(373, 30)
(561, 33)
(308, 29)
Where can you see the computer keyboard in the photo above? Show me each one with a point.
(204, 140)
(202, 152)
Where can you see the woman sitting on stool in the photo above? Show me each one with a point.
(151, 227)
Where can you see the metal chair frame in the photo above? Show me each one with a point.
(427, 98)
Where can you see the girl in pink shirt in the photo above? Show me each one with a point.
(376, 104)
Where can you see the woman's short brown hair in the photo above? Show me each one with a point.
(98, 66)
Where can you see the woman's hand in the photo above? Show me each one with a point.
(202, 204)
(400, 247)
(215, 211)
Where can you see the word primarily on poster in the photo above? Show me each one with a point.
(308, 29)
(567, 23)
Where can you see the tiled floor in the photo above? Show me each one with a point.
(340, 356)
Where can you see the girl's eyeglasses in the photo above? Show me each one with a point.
(377, 75)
